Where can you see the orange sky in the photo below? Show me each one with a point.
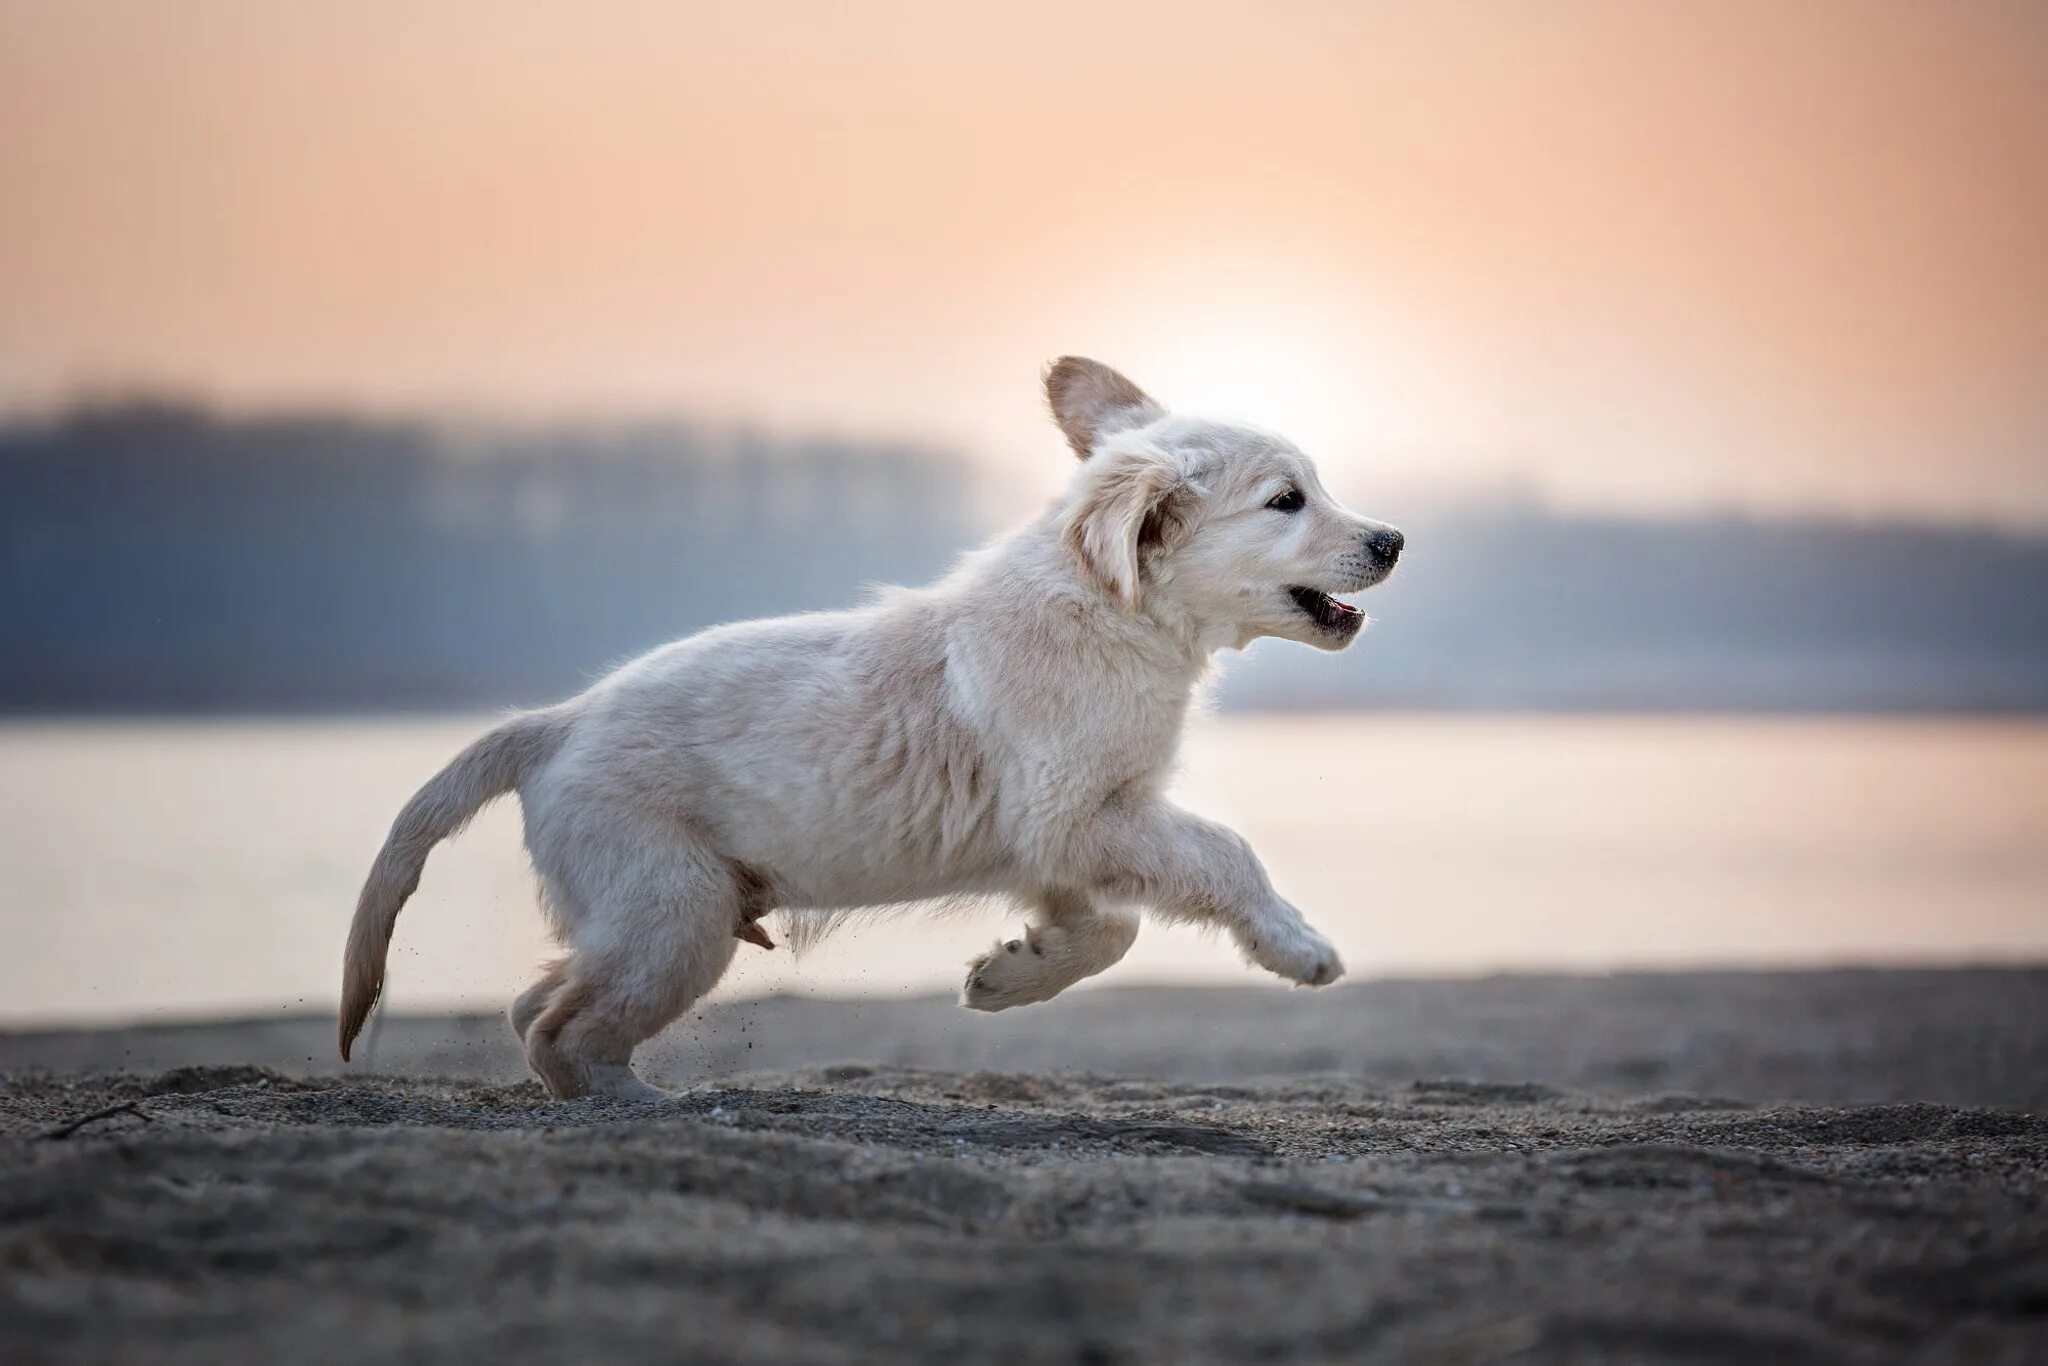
(1761, 254)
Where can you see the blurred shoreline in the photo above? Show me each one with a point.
(1952, 1035)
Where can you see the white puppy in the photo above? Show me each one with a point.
(1006, 731)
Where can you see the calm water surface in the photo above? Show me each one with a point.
(159, 870)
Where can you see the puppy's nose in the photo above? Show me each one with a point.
(1385, 545)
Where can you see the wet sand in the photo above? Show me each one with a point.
(1819, 1166)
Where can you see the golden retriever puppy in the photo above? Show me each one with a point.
(1006, 731)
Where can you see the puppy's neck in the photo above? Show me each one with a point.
(1157, 630)
(1193, 641)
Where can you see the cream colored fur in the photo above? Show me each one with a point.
(1006, 731)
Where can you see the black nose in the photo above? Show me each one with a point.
(1386, 545)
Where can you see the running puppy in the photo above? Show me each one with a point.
(1005, 731)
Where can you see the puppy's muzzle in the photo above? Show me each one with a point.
(1377, 552)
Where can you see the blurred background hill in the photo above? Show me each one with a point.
(159, 556)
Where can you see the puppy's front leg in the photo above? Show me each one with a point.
(1070, 937)
(1194, 869)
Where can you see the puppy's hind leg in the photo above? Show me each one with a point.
(1070, 937)
(532, 1001)
(653, 934)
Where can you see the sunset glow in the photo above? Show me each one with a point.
(1654, 256)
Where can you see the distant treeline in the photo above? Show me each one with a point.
(1522, 608)
(157, 556)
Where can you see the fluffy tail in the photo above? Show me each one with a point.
(489, 768)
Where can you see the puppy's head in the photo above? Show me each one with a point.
(1226, 524)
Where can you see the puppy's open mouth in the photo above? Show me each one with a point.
(1327, 612)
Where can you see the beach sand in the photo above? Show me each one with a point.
(1714, 1166)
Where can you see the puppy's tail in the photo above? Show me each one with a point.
(489, 768)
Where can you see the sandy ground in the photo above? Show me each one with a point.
(1831, 1166)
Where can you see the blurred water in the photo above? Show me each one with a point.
(171, 869)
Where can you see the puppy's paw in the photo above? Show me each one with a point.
(616, 1082)
(1013, 973)
(1290, 948)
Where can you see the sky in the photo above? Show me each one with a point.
(1650, 256)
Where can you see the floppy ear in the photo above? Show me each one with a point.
(1128, 500)
(1090, 400)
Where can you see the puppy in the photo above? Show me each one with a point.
(1007, 731)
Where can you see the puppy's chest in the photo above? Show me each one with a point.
(1117, 744)
(1071, 728)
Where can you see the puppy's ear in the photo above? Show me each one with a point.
(1128, 501)
(1090, 400)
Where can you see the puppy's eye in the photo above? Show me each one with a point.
(1289, 501)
